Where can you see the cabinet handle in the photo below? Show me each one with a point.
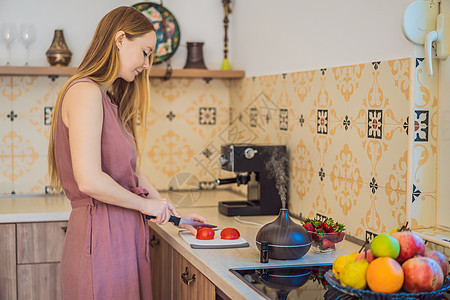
(64, 228)
(185, 278)
(154, 241)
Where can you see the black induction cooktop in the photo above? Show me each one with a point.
(290, 282)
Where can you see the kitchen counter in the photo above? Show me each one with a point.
(48, 208)
(20, 209)
(215, 263)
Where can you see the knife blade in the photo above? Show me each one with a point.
(179, 221)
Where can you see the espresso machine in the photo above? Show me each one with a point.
(249, 162)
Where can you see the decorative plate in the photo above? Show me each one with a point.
(368, 294)
(167, 29)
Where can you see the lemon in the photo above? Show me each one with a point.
(343, 260)
(396, 229)
(354, 274)
(384, 245)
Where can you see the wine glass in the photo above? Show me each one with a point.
(27, 36)
(8, 36)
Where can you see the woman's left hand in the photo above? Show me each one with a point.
(173, 211)
(193, 217)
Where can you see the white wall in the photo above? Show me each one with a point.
(199, 20)
(273, 37)
(266, 36)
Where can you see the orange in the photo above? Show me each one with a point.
(385, 275)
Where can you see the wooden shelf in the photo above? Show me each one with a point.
(198, 73)
(155, 72)
(36, 71)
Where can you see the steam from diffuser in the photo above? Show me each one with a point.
(277, 167)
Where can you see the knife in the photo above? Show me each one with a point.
(179, 221)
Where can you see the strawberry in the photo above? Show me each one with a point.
(327, 224)
(318, 224)
(333, 228)
(340, 237)
(309, 226)
(333, 237)
(319, 229)
(327, 244)
(320, 234)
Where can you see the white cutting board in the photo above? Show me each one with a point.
(216, 243)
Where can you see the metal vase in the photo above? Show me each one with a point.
(195, 56)
(58, 54)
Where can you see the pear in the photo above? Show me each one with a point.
(343, 260)
(354, 274)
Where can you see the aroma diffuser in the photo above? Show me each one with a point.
(287, 239)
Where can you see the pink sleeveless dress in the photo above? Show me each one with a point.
(105, 254)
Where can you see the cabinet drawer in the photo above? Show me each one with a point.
(39, 281)
(189, 282)
(40, 242)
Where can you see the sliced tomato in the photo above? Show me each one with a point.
(204, 233)
(229, 234)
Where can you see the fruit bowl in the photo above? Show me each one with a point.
(326, 242)
(368, 294)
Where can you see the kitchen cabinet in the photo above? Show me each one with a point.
(30, 258)
(39, 281)
(8, 279)
(173, 276)
(40, 242)
(39, 249)
(188, 282)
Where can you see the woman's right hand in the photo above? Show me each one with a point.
(158, 208)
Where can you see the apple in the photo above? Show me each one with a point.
(411, 244)
(422, 274)
(367, 254)
(441, 260)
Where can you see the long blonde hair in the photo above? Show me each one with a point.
(100, 63)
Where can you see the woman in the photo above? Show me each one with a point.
(92, 156)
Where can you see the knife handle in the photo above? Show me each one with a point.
(173, 219)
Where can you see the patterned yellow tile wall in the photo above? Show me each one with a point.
(187, 125)
(424, 173)
(346, 129)
(26, 105)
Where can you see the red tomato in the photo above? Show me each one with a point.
(229, 234)
(204, 233)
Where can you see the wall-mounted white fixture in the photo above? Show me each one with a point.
(419, 26)
(419, 19)
(441, 36)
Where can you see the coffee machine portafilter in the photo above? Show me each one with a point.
(248, 162)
